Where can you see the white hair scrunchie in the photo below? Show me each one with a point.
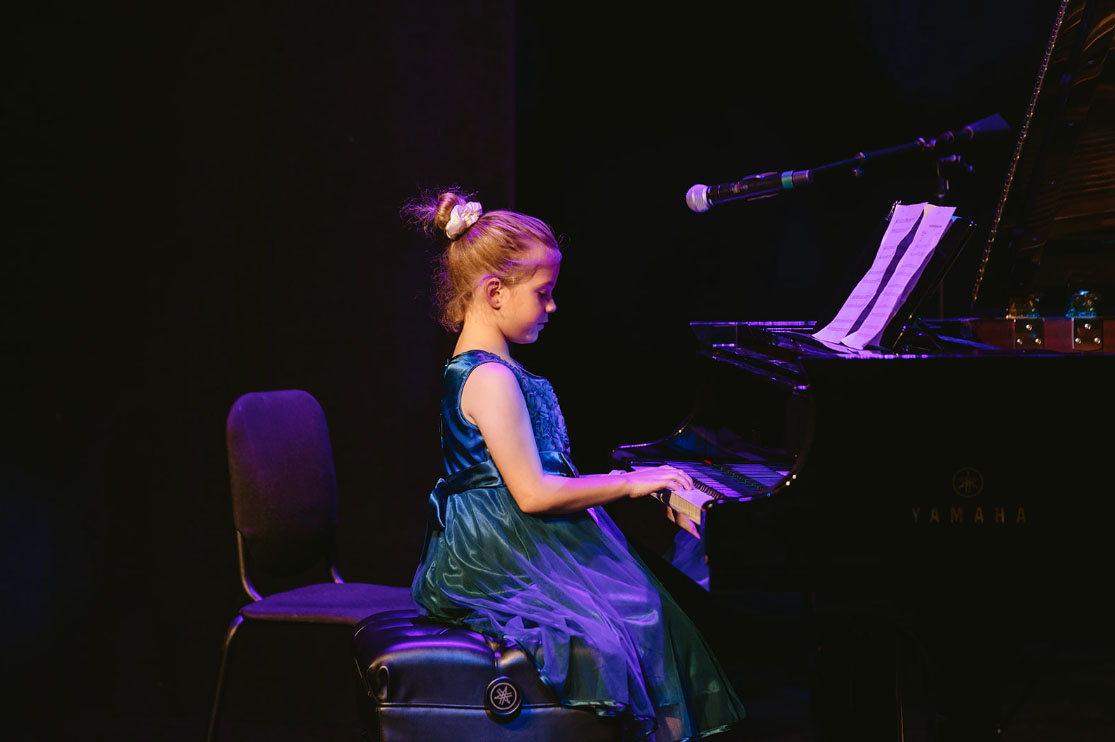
(461, 218)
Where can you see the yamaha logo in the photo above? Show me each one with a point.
(503, 699)
(967, 482)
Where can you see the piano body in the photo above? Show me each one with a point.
(956, 476)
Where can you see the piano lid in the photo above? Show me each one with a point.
(1053, 233)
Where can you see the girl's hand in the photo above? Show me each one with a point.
(675, 480)
(645, 481)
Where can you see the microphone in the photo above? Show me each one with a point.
(701, 198)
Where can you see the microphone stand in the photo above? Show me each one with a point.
(700, 198)
(941, 145)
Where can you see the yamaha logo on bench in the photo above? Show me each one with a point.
(503, 699)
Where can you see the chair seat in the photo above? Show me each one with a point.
(429, 681)
(329, 602)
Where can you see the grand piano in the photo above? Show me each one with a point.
(942, 497)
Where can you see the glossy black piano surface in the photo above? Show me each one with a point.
(939, 511)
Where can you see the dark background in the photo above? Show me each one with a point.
(202, 202)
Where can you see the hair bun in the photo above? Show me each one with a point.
(432, 212)
(461, 217)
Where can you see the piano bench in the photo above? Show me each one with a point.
(426, 681)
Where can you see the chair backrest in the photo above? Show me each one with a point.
(284, 485)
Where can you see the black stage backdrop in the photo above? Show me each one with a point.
(203, 202)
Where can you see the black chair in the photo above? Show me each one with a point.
(284, 498)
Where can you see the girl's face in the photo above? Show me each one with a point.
(527, 305)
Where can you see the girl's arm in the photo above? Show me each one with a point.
(491, 400)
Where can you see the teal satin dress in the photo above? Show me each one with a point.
(567, 588)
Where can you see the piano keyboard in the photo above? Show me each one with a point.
(713, 481)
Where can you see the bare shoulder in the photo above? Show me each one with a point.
(491, 392)
(492, 375)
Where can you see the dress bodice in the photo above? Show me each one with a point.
(461, 443)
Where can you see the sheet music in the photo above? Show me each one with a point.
(907, 245)
(934, 221)
(902, 220)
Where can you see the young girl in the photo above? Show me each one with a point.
(517, 546)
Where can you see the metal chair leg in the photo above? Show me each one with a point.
(215, 714)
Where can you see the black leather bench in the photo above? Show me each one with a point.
(427, 681)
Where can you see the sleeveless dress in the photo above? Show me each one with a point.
(565, 588)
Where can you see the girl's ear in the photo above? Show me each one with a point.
(491, 289)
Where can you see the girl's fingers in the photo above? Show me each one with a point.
(678, 480)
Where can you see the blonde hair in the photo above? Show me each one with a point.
(500, 243)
